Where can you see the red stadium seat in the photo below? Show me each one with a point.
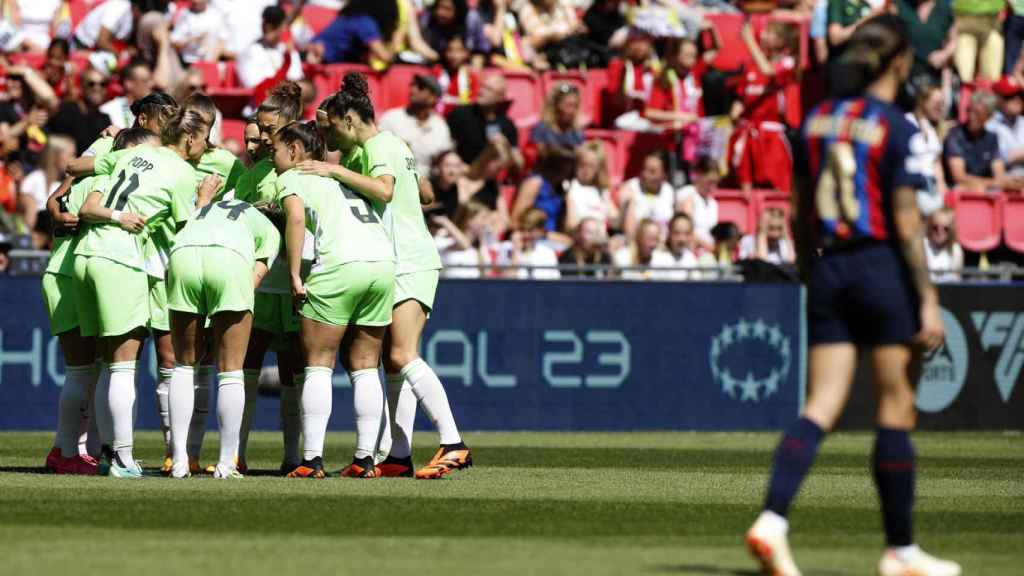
(616, 163)
(1013, 222)
(231, 101)
(734, 206)
(979, 220)
(525, 92)
(232, 129)
(733, 53)
(597, 83)
(318, 17)
(764, 199)
(396, 83)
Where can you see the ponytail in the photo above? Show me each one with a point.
(868, 54)
(285, 100)
(354, 96)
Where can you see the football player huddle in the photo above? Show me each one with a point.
(159, 234)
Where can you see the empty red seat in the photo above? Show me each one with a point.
(318, 17)
(524, 91)
(765, 199)
(734, 206)
(398, 79)
(232, 129)
(1013, 222)
(597, 83)
(979, 220)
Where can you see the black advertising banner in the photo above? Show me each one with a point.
(972, 382)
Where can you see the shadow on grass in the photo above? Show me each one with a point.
(24, 470)
(708, 570)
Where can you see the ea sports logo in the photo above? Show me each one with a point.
(749, 360)
(945, 369)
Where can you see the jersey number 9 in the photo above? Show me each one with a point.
(835, 196)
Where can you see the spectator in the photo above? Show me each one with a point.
(643, 251)
(449, 19)
(242, 22)
(605, 23)
(10, 174)
(676, 98)
(491, 15)
(1013, 33)
(697, 202)
(5, 251)
(648, 196)
(56, 68)
(943, 253)
(30, 100)
(40, 183)
(545, 189)
(560, 120)
(459, 82)
(758, 152)
(927, 115)
(200, 33)
(266, 57)
(108, 23)
(419, 124)
(589, 194)
(81, 118)
(972, 152)
(452, 188)
(137, 80)
(466, 242)
(682, 251)
(253, 143)
(631, 79)
(727, 239)
(845, 15)
(979, 43)
(38, 22)
(932, 35)
(527, 250)
(818, 32)
(772, 243)
(589, 248)
(362, 30)
(548, 24)
(484, 127)
(1008, 125)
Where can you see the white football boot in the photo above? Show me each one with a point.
(768, 543)
(912, 561)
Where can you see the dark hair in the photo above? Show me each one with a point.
(132, 137)
(273, 16)
(556, 165)
(151, 5)
(59, 43)
(679, 216)
(159, 105)
(203, 104)
(129, 68)
(662, 157)
(327, 102)
(868, 54)
(385, 13)
(725, 231)
(458, 25)
(183, 122)
(706, 165)
(285, 100)
(354, 96)
(306, 134)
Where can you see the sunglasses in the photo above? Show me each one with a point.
(94, 83)
(568, 89)
(195, 87)
(939, 228)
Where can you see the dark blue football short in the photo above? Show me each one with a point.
(862, 295)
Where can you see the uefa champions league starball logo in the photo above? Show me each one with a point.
(752, 341)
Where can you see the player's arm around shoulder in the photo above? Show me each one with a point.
(266, 241)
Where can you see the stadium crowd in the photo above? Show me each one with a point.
(659, 141)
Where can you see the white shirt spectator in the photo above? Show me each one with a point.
(665, 259)
(944, 265)
(259, 62)
(1011, 138)
(541, 255)
(114, 15)
(426, 140)
(776, 250)
(623, 258)
(36, 18)
(659, 208)
(587, 202)
(34, 186)
(705, 213)
(119, 111)
(928, 199)
(244, 21)
(199, 32)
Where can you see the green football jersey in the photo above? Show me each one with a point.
(100, 147)
(231, 224)
(388, 155)
(105, 163)
(258, 184)
(344, 226)
(62, 261)
(154, 183)
(222, 163)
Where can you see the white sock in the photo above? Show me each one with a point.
(905, 553)
(317, 400)
(252, 383)
(230, 407)
(90, 445)
(429, 391)
(181, 397)
(200, 411)
(402, 413)
(291, 418)
(101, 406)
(163, 406)
(69, 408)
(121, 399)
(368, 407)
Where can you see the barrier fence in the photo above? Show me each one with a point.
(614, 355)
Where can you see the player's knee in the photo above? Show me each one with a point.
(399, 358)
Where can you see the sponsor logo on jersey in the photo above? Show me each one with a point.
(945, 369)
(762, 347)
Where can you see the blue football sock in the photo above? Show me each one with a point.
(793, 459)
(893, 465)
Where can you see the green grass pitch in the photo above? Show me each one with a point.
(553, 503)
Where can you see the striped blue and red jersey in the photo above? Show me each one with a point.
(856, 153)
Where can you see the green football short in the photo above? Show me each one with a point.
(112, 298)
(59, 294)
(275, 313)
(353, 294)
(159, 315)
(208, 280)
(419, 286)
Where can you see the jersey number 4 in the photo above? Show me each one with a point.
(366, 218)
(119, 195)
(234, 209)
(835, 197)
